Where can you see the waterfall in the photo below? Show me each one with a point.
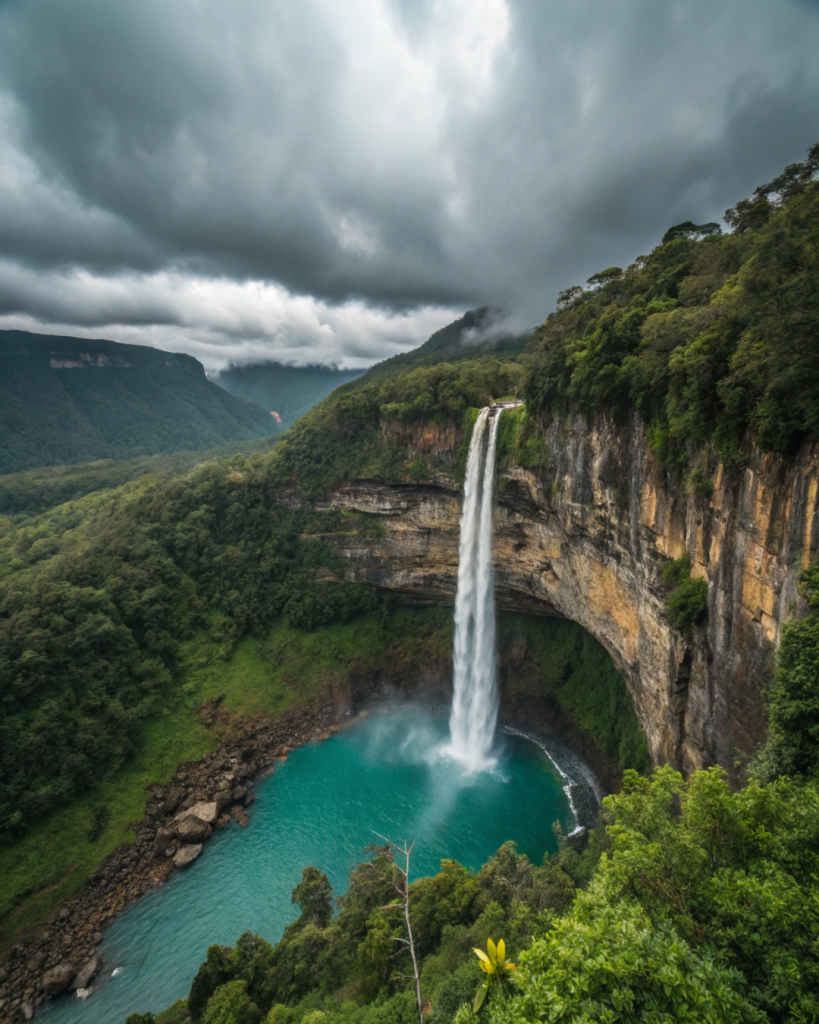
(475, 698)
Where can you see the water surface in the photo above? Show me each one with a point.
(322, 807)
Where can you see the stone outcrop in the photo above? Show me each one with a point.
(57, 979)
(192, 830)
(186, 855)
(587, 537)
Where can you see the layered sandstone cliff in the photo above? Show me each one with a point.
(587, 538)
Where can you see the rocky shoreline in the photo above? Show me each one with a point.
(61, 957)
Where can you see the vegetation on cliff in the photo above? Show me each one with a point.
(792, 744)
(709, 337)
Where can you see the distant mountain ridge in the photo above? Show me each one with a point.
(290, 391)
(477, 333)
(66, 400)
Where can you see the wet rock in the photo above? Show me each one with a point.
(239, 794)
(187, 855)
(89, 970)
(193, 830)
(96, 938)
(240, 815)
(222, 820)
(251, 796)
(58, 978)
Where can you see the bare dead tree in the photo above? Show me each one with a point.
(401, 885)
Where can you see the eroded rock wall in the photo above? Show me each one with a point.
(587, 537)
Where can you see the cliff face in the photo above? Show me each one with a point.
(588, 537)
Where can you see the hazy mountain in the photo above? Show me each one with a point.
(65, 400)
(289, 391)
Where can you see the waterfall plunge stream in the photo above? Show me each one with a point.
(475, 698)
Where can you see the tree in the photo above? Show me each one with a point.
(314, 895)
(605, 277)
(691, 231)
(400, 882)
(568, 295)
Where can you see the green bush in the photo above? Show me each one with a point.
(688, 600)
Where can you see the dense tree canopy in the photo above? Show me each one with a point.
(708, 337)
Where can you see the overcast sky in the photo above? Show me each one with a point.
(315, 180)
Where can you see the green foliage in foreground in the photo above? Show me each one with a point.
(703, 907)
(709, 336)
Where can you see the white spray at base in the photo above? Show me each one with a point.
(475, 697)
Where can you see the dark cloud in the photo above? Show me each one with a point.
(386, 161)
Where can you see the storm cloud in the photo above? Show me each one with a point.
(313, 180)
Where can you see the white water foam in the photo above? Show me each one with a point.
(582, 789)
(475, 697)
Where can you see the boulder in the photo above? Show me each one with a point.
(163, 838)
(249, 798)
(189, 801)
(187, 855)
(90, 969)
(204, 810)
(4, 975)
(27, 1011)
(171, 803)
(35, 963)
(57, 979)
(96, 938)
(193, 830)
(223, 799)
(239, 795)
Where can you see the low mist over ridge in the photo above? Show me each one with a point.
(289, 391)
